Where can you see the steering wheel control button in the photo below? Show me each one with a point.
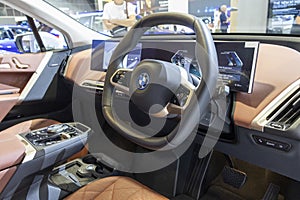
(182, 95)
(272, 143)
(122, 78)
(143, 81)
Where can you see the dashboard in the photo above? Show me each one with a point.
(264, 121)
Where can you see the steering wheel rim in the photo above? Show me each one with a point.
(207, 60)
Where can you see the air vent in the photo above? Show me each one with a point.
(286, 113)
(97, 85)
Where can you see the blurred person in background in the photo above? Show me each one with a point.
(296, 25)
(224, 19)
(118, 15)
(217, 14)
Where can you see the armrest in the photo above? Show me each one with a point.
(12, 151)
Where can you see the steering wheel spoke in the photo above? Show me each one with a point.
(179, 102)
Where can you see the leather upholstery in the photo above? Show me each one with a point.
(115, 188)
(12, 150)
(27, 126)
(5, 176)
(7, 101)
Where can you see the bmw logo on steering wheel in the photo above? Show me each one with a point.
(143, 81)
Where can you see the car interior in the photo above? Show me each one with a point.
(196, 116)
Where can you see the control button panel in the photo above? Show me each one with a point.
(52, 134)
(122, 78)
(272, 143)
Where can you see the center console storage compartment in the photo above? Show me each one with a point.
(79, 172)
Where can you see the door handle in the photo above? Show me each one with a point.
(19, 65)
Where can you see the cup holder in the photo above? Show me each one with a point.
(99, 169)
(93, 167)
(89, 159)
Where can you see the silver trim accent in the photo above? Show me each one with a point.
(5, 66)
(91, 84)
(35, 76)
(29, 149)
(260, 121)
(252, 45)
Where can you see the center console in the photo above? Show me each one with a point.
(43, 149)
(55, 134)
(79, 172)
(71, 176)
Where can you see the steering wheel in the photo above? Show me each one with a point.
(153, 83)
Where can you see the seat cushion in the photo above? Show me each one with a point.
(115, 188)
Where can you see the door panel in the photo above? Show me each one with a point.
(8, 98)
(38, 85)
(15, 79)
(14, 60)
(7, 101)
(11, 71)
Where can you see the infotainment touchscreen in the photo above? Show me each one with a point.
(104, 49)
(237, 61)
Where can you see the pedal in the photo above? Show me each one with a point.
(234, 177)
(272, 192)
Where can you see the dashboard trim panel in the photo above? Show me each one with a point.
(260, 120)
(269, 82)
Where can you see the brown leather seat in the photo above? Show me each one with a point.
(115, 188)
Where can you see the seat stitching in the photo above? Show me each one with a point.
(134, 193)
(84, 192)
(112, 191)
(105, 189)
(143, 194)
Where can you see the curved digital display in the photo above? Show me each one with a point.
(236, 59)
(104, 49)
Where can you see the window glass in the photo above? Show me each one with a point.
(16, 35)
(220, 16)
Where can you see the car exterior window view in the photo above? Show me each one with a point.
(150, 99)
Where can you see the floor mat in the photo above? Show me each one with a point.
(219, 193)
(258, 180)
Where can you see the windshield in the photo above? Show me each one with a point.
(221, 16)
